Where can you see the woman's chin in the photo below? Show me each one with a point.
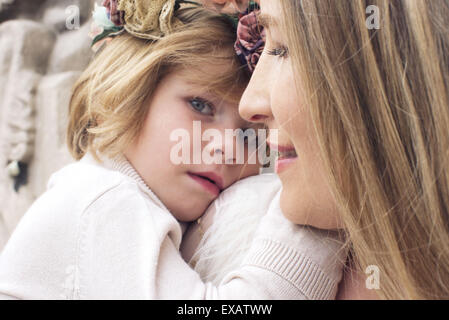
(300, 210)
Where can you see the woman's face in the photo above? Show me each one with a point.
(179, 115)
(272, 98)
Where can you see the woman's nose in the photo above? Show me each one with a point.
(255, 103)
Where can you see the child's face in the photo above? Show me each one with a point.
(175, 105)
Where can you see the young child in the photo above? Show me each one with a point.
(109, 225)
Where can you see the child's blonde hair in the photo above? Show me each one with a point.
(108, 105)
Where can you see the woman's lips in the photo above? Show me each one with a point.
(209, 181)
(285, 156)
(284, 163)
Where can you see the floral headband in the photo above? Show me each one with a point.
(250, 37)
(153, 19)
(145, 19)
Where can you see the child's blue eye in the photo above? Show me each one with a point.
(201, 106)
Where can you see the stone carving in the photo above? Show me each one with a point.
(4, 3)
(22, 75)
(19, 105)
(40, 59)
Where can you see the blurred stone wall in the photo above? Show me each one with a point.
(43, 50)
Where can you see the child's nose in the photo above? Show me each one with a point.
(224, 149)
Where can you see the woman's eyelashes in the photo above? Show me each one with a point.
(202, 106)
(281, 52)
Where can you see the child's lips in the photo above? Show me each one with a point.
(209, 181)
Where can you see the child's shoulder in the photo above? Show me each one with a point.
(81, 192)
(87, 181)
(85, 177)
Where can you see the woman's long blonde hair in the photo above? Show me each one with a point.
(109, 101)
(380, 103)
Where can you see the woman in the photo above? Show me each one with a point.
(366, 113)
(362, 114)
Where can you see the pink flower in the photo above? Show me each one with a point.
(95, 30)
(99, 44)
(250, 40)
(116, 16)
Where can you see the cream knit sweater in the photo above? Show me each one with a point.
(99, 232)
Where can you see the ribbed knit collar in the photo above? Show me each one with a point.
(122, 165)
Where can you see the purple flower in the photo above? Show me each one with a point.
(250, 40)
(116, 16)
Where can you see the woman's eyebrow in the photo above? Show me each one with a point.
(266, 20)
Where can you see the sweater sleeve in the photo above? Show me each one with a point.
(127, 251)
(285, 261)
